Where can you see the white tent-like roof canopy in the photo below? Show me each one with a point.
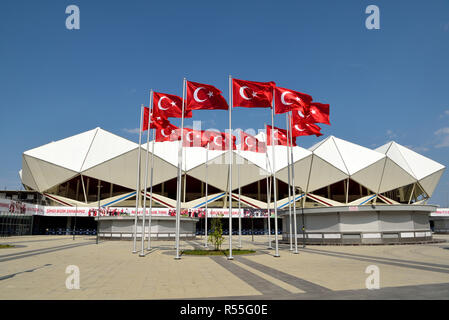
(104, 156)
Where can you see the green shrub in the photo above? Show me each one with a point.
(216, 236)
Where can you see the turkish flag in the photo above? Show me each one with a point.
(193, 138)
(251, 94)
(146, 116)
(318, 112)
(167, 133)
(204, 97)
(302, 127)
(168, 105)
(251, 143)
(158, 122)
(219, 140)
(287, 100)
(280, 137)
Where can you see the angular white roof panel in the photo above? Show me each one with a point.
(420, 165)
(323, 174)
(302, 159)
(370, 176)
(327, 150)
(104, 147)
(394, 177)
(355, 156)
(430, 182)
(47, 175)
(68, 153)
(392, 151)
(27, 175)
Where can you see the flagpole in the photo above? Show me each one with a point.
(178, 200)
(205, 221)
(276, 254)
(289, 185)
(240, 215)
(151, 192)
(230, 257)
(293, 184)
(151, 174)
(138, 183)
(268, 192)
(145, 185)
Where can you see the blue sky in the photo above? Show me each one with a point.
(382, 85)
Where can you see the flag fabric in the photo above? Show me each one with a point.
(158, 122)
(318, 112)
(287, 100)
(167, 133)
(301, 127)
(280, 137)
(193, 138)
(251, 143)
(219, 140)
(204, 97)
(168, 106)
(252, 94)
(146, 116)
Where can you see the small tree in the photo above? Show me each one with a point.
(216, 237)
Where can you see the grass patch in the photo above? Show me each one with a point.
(4, 246)
(204, 252)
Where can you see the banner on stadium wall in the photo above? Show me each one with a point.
(8, 206)
(441, 212)
(16, 207)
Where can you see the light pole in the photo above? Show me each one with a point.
(98, 213)
(74, 224)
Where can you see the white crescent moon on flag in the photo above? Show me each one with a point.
(242, 93)
(283, 98)
(246, 142)
(215, 141)
(195, 95)
(163, 133)
(159, 103)
(188, 135)
(300, 114)
(297, 128)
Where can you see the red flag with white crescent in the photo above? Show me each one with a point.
(318, 112)
(146, 115)
(168, 106)
(193, 138)
(252, 94)
(219, 140)
(167, 133)
(251, 143)
(302, 127)
(280, 137)
(287, 100)
(204, 97)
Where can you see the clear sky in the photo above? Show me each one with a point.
(382, 85)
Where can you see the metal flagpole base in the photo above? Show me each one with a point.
(276, 255)
(134, 251)
(296, 252)
(270, 248)
(177, 258)
(206, 246)
(141, 255)
(230, 258)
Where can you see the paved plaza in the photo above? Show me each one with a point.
(36, 269)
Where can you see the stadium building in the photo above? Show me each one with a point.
(344, 192)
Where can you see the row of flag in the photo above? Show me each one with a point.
(305, 113)
(248, 94)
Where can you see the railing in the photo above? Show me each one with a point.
(155, 236)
